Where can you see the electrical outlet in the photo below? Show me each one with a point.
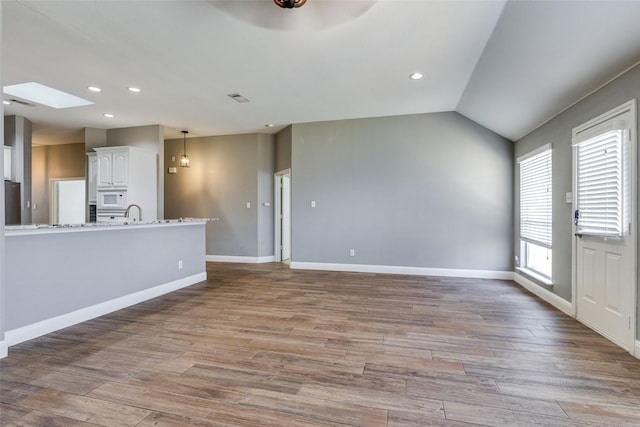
(180, 265)
(352, 252)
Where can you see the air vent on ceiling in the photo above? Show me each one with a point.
(21, 102)
(237, 97)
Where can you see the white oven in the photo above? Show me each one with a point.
(112, 199)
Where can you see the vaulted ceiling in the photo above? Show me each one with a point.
(508, 65)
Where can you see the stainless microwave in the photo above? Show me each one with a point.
(110, 199)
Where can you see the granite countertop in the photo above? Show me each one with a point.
(29, 228)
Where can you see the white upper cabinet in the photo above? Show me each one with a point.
(113, 167)
(104, 170)
(120, 168)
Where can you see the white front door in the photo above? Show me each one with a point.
(605, 279)
(605, 243)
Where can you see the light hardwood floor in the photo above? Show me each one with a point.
(262, 345)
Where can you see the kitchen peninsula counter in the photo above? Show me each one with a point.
(61, 275)
(15, 230)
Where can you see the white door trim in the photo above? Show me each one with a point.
(277, 240)
(633, 139)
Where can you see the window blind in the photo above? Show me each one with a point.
(535, 198)
(599, 185)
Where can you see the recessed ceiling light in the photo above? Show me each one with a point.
(416, 76)
(134, 89)
(94, 88)
(45, 95)
(109, 115)
(5, 102)
(269, 125)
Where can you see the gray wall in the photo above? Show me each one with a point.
(142, 137)
(80, 269)
(226, 172)
(94, 138)
(17, 133)
(266, 164)
(558, 132)
(428, 190)
(283, 149)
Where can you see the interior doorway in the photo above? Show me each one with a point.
(67, 201)
(282, 216)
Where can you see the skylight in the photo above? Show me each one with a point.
(45, 95)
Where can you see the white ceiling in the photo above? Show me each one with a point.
(508, 66)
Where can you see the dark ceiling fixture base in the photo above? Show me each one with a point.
(289, 4)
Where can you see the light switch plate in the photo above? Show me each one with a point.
(173, 170)
(569, 197)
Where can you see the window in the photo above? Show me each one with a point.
(599, 186)
(535, 213)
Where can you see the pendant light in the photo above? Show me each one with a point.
(184, 160)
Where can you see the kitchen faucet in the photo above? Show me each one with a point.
(126, 212)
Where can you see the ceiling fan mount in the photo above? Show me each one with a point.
(289, 4)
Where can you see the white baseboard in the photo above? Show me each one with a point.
(28, 332)
(566, 307)
(560, 303)
(415, 271)
(241, 259)
(4, 349)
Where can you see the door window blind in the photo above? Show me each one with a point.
(599, 185)
(535, 198)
